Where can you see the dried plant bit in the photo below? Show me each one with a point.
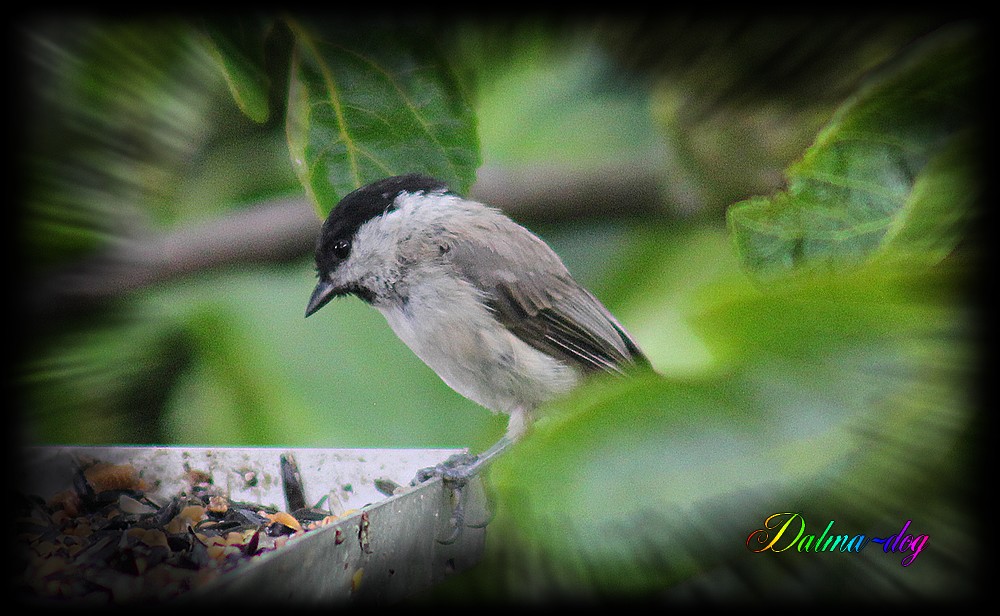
(253, 544)
(387, 486)
(179, 542)
(176, 526)
(45, 548)
(51, 566)
(198, 481)
(323, 522)
(214, 540)
(80, 530)
(249, 477)
(285, 519)
(30, 527)
(80, 484)
(245, 514)
(195, 476)
(166, 513)
(149, 536)
(218, 505)
(320, 502)
(67, 501)
(201, 537)
(278, 530)
(209, 525)
(364, 534)
(131, 506)
(191, 515)
(98, 550)
(235, 538)
(291, 483)
(103, 477)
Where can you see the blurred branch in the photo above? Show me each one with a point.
(553, 193)
(270, 232)
(286, 229)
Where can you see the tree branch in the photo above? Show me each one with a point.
(286, 229)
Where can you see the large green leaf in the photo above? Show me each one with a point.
(839, 397)
(363, 105)
(892, 173)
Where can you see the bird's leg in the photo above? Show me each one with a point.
(456, 472)
(458, 469)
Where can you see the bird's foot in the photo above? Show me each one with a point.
(455, 473)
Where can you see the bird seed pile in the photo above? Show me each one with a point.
(106, 541)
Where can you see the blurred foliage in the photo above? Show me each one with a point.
(823, 400)
(893, 173)
(841, 390)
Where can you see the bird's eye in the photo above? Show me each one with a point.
(341, 248)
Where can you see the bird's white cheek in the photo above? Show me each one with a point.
(345, 274)
(370, 273)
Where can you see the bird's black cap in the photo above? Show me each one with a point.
(353, 211)
(364, 204)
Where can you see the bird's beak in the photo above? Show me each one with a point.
(323, 293)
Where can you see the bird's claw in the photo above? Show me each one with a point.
(455, 473)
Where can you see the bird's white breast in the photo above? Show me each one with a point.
(447, 326)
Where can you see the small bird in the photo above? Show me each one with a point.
(484, 302)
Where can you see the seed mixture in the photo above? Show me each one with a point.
(107, 541)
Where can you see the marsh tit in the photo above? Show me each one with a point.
(480, 299)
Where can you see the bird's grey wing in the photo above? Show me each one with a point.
(533, 295)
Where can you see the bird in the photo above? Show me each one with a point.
(480, 299)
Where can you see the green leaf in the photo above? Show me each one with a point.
(364, 105)
(238, 48)
(874, 181)
(836, 396)
(937, 211)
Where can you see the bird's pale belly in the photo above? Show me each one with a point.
(478, 357)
